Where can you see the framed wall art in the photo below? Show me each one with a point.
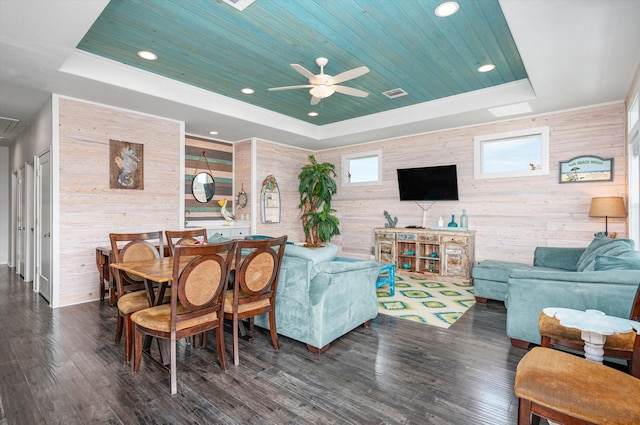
(583, 169)
(126, 165)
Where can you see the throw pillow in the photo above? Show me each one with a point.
(615, 248)
(588, 255)
(629, 261)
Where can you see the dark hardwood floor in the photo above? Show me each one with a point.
(62, 367)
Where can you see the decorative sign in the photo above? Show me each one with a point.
(586, 169)
(126, 165)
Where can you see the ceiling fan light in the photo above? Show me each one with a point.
(322, 91)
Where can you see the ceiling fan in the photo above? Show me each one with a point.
(324, 85)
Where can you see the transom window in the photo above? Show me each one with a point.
(512, 154)
(361, 169)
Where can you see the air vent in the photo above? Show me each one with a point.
(239, 4)
(392, 94)
(7, 125)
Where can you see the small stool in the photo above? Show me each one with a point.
(387, 277)
(568, 389)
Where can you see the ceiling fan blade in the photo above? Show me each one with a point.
(304, 71)
(306, 86)
(350, 91)
(315, 100)
(348, 75)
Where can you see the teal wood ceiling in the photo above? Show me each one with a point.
(211, 45)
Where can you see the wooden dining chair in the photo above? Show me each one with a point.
(620, 346)
(132, 296)
(197, 299)
(257, 267)
(185, 237)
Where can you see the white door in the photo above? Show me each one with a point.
(43, 225)
(27, 223)
(20, 224)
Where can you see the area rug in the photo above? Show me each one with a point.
(425, 301)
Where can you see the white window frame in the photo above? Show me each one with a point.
(541, 169)
(346, 167)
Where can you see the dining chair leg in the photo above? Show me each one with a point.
(137, 349)
(128, 338)
(174, 384)
(119, 328)
(222, 355)
(272, 330)
(236, 349)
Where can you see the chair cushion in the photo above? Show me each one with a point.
(228, 304)
(159, 318)
(578, 388)
(627, 261)
(551, 327)
(138, 300)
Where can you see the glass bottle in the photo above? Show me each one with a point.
(452, 223)
(464, 219)
(440, 222)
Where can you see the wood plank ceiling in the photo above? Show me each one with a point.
(213, 46)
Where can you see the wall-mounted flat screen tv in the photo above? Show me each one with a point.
(437, 183)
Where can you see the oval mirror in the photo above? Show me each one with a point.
(203, 187)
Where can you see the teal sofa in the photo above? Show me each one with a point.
(604, 276)
(318, 300)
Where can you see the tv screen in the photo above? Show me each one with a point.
(438, 183)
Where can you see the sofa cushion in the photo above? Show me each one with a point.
(496, 270)
(603, 246)
(315, 255)
(627, 261)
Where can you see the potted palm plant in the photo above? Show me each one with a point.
(316, 188)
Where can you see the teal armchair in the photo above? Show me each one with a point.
(319, 300)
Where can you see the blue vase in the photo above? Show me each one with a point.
(452, 223)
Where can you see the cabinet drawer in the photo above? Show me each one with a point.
(406, 236)
(385, 236)
(455, 239)
(237, 233)
(429, 238)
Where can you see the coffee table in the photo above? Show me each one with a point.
(595, 326)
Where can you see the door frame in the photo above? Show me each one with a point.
(38, 227)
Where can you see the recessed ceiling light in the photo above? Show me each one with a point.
(486, 68)
(447, 9)
(247, 90)
(313, 114)
(213, 132)
(145, 54)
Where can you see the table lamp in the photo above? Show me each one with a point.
(609, 206)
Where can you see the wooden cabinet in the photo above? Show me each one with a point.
(442, 254)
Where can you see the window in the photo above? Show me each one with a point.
(361, 169)
(512, 154)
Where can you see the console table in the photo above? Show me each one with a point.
(442, 254)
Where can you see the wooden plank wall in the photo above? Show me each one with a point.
(511, 216)
(89, 209)
(219, 156)
(242, 178)
(284, 162)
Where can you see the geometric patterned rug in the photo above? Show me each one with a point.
(425, 301)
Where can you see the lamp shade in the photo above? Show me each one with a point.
(610, 206)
